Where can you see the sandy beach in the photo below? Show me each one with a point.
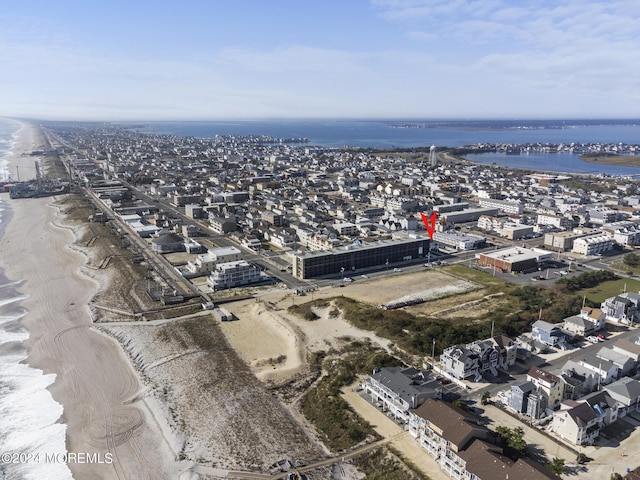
(95, 383)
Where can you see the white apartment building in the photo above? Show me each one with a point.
(233, 274)
(205, 263)
(503, 205)
(346, 228)
(488, 223)
(592, 244)
(557, 221)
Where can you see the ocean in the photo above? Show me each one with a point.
(424, 133)
(8, 130)
(29, 416)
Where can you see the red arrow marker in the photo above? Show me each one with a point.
(430, 223)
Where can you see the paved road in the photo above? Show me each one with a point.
(158, 262)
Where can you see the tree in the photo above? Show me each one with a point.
(485, 398)
(557, 466)
(513, 440)
(632, 259)
(461, 404)
(582, 458)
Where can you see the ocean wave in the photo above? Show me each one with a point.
(10, 300)
(29, 416)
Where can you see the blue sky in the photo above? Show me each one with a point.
(235, 59)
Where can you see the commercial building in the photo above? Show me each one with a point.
(350, 258)
(514, 259)
(458, 241)
(468, 215)
(515, 231)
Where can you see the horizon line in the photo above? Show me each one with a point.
(320, 119)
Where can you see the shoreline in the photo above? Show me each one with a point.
(617, 160)
(94, 380)
(448, 157)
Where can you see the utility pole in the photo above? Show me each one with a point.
(433, 351)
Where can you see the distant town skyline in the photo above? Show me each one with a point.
(200, 60)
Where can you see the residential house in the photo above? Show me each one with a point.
(629, 346)
(626, 392)
(589, 320)
(486, 461)
(460, 363)
(529, 470)
(487, 356)
(222, 225)
(576, 423)
(547, 333)
(605, 370)
(587, 378)
(604, 405)
(519, 398)
(547, 384)
(592, 245)
(464, 449)
(445, 431)
(625, 364)
(578, 325)
(400, 389)
(622, 308)
(574, 384)
(205, 263)
(507, 351)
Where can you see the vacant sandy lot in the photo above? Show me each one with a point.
(274, 342)
(428, 284)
